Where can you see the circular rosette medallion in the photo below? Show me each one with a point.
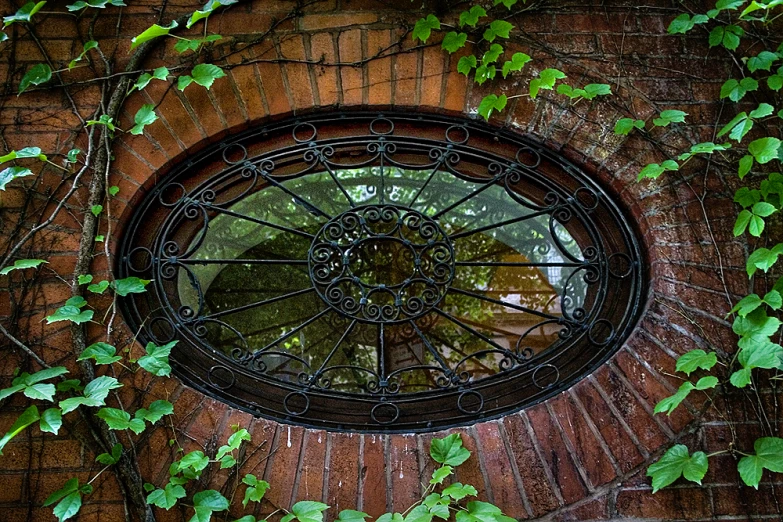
(381, 263)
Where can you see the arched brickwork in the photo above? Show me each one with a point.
(580, 455)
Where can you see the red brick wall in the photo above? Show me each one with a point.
(581, 455)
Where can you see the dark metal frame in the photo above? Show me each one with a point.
(172, 221)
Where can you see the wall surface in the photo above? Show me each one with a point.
(582, 455)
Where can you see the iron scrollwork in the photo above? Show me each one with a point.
(383, 273)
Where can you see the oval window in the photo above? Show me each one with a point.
(381, 272)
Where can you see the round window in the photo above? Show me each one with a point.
(381, 272)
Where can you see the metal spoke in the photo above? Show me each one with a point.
(292, 332)
(471, 330)
(258, 221)
(473, 194)
(337, 181)
(525, 309)
(260, 303)
(512, 263)
(427, 182)
(498, 225)
(431, 348)
(331, 353)
(306, 204)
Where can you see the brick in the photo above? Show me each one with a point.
(500, 470)
(272, 81)
(310, 481)
(326, 76)
(373, 488)
(343, 472)
(349, 49)
(670, 503)
(297, 74)
(403, 464)
(284, 463)
(379, 67)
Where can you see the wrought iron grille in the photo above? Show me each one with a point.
(389, 272)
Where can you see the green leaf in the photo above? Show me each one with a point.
(763, 258)
(684, 23)
(68, 507)
(774, 299)
(40, 391)
(51, 420)
(109, 459)
(740, 378)
(36, 75)
(166, 498)
(195, 460)
(71, 312)
(155, 412)
(157, 359)
(120, 420)
(420, 513)
(102, 353)
(676, 463)
(256, 489)
(596, 89)
(113, 191)
(745, 164)
(453, 41)
(508, 3)
(28, 417)
(490, 104)
(765, 355)
(546, 80)
(11, 173)
(144, 116)
(736, 90)
(764, 209)
(497, 28)
(309, 511)
(669, 404)
(389, 517)
(101, 4)
(775, 82)
(485, 72)
(424, 26)
(105, 120)
(458, 491)
(440, 474)
(492, 55)
(747, 305)
(764, 109)
(203, 74)
(350, 515)
(84, 279)
(769, 455)
(517, 62)
(22, 264)
(670, 116)
(449, 450)
(466, 64)
(130, 285)
(153, 32)
(764, 150)
(706, 383)
(24, 14)
(728, 36)
(161, 73)
(70, 385)
(98, 288)
(96, 210)
(7, 392)
(763, 61)
(27, 152)
(471, 17)
(100, 387)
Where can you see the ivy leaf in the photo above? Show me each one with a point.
(485, 72)
(471, 17)
(764, 150)
(144, 116)
(497, 28)
(153, 32)
(11, 173)
(109, 459)
(195, 460)
(71, 311)
(36, 75)
(40, 391)
(684, 23)
(424, 26)
(22, 264)
(492, 103)
(256, 489)
(98, 288)
(203, 74)
(161, 73)
(155, 412)
(466, 64)
(654, 170)
(106, 120)
(707, 383)
(670, 116)
(764, 109)
(517, 62)
(458, 491)
(157, 359)
(449, 450)
(625, 125)
(677, 462)
(207, 10)
(308, 511)
(28, 417)
(775, 82)
(492, 55)
(166, 498)
(24, 14)
(774, 299)
(102, 353)
(736, 90)
(130, 285)
(546, 80)
(763, 258)
(420, 513)
(84, 279)
(762, 61)
(440, 474)
(745, 164)
(765, 354)
(350, 515)
(120, 420)
(51, 420)
(100, 4)
(669, 404)
(769, 455)
(728, 36)
(508, 3)
(96, 210)
(747, 305)
(390, 517)
(453, 41)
